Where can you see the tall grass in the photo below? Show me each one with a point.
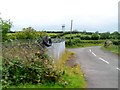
(113, 48)
(74, 77)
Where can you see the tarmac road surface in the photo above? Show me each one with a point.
(100, 67)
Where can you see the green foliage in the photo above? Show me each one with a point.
(11, 36)
(85, 37)
(53, 35)
(26, 65)
(108, 43)
(116, 42)
(113, 49)
(105, 35)
(83, 43)
(5, 26)
(95, 36)
(115, 35)
(74, 78)
(27, 33)
(26, 62)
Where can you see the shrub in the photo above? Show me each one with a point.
(105, 35)
(11, 36)
(27, 63)
(116, 42)
(75, 42)
(95, 36)
(5, 26)
(85, 37)
(108, 43)
(27, 33)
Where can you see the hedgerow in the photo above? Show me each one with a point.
(26, 62)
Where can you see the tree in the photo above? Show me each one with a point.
(27, 33)
(115, 35)
(95, 36)
(5, 26)
(84, 31)
(97, 32)
(105, 35)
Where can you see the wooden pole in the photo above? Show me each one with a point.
(71, 30)
(63, 29)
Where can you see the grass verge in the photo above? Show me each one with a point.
(74, 77)
(113, 48)
(83, 45)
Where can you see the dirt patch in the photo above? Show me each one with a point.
(71, 61)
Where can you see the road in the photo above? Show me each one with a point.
(100, 67)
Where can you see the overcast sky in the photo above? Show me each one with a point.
(89, 15)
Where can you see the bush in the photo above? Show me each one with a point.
(27, 63)
(5, 26)
(11, 36)
(105, 35)
(27, 33)
(95, 36)
(116, 42)
(86, 37)
(77, 40)
(108, 43)
(74, 42)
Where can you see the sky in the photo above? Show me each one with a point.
(88, 15)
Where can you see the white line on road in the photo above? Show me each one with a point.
(118, 68)
(94, 54)
(90, 50)
(104, 60)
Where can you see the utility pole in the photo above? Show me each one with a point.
(63, 29)
(71, 30)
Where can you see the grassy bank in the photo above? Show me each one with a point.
(76, 43)
(84, 45)
(112, 48)
(72, 77)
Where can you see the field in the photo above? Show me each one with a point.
(81, 39)
(86, 39)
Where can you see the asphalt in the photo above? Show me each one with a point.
(99, 67)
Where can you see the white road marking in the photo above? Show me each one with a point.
(94, 54)
(104, 60)
(118, 68)
(90, 50)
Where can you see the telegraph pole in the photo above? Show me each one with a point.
(63, 29)
(71, 29)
